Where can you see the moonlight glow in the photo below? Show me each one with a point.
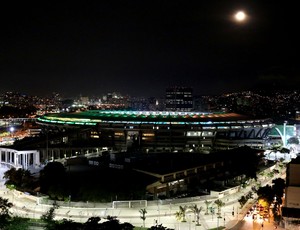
(240, 16)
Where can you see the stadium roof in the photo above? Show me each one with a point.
(92, 117)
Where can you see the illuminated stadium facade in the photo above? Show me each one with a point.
(158, 131)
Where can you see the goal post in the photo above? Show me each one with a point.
(129, 204)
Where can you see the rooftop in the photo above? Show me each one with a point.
(92, 117)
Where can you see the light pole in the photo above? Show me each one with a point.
(34, 211)
(284, 133)
(69, 201)
(158, 209)
(11, 130)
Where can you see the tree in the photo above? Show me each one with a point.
(183, 212)
(93, 223)
(18, 223)
(239, 166)
(4, 212)
(159, 227)
(196, 211)
(266, 193)
(143, 212)
(48, 218)
(180, 215)
(21, 178)
(126, 226)
(111, 223)
(278, 188)
(219, 204)
(249, 195)
(207, 203)
(242, 201)
(68, 225)
(53, 179)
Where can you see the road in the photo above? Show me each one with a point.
(249, 223)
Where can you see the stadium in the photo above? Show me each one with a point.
(164, 131)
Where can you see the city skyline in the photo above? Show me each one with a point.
(140, 48)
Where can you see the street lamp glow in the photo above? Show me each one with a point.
(240, 16)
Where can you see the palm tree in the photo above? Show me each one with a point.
(196, 212)
(143, 212)
(207, 203)
(180, 215)
(219, 204)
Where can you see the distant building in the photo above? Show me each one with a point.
(179, 99)
(291, 209)
(297, 115)
(84, 100)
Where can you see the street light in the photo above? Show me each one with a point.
(11, 129)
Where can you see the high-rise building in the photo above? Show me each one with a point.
(179, 99)
(291, 209)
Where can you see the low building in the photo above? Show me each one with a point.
(176, 172)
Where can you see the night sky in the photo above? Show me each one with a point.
(141, 47)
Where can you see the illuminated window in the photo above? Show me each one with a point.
(148, 134)
(119, 134)
(193, 134)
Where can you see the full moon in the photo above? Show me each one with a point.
(240, 16)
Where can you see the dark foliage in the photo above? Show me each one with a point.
(92, 223)
(266, 193)
(53, 181)
(18, 223)
(159, 227)
(4, 212)
(240, 166)
(278, 188)
(21, 179)
(48, 218)
(10, 111)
